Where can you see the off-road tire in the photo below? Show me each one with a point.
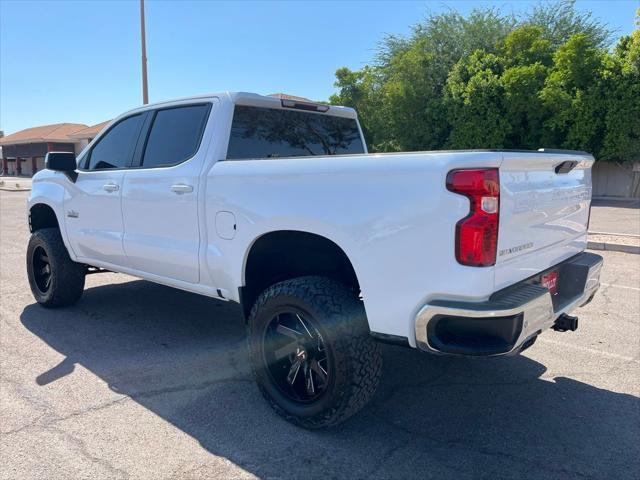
(67, 277)
(340, 316)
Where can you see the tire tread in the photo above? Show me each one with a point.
(362, 352)
(69, 276)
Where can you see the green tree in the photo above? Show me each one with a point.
(492, 99)
(358, 90)
(400, 98)
(523, 108)
(570, 93)
(561, 20)
(543, 79)
(475, 101)
(622, 119)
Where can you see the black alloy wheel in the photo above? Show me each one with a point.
(296, 357)
(41, 270)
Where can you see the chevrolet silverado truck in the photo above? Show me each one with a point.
(276, 204)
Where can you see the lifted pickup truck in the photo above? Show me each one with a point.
(275, 204)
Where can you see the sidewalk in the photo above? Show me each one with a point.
(15, 184)
(615, 216)
(615, 225)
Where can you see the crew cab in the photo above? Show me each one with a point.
(275, 204)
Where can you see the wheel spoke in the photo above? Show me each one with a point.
(41, 269)
(285, 351)
(304, 325)
(293, 371)
(320, 372)
(289, 332)
(296, 356)
(308, 380)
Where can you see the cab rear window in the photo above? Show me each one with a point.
(258, 132)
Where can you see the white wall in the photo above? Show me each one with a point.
(616, 180)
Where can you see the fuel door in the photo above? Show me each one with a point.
(226, 225)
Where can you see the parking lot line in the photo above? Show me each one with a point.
(590, 350)
(620, 286)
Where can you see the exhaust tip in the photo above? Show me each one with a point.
(565, 322)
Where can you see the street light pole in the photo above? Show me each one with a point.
(145, 93)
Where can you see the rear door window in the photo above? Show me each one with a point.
(258, 132)
(175, 135)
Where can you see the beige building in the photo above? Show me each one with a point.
(83, 136)
(23, 152)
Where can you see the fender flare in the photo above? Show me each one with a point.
(52, 195)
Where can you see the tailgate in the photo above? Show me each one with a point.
(544, 212)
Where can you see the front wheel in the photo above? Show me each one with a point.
(54, 278)
(311, 353)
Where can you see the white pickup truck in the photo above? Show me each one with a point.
(276, 204)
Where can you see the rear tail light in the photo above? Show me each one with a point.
(477, 233)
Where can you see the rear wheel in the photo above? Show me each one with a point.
(312, 356)
(54, 278)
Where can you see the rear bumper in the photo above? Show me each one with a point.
(511, 318)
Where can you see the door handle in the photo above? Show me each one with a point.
(181, 188)
(111, 187)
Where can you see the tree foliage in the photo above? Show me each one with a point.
(489, 80)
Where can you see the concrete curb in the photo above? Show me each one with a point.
(605, 198)
(613, 247)
(6, 189)
(630, 235)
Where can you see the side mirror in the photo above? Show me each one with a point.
(64, 162)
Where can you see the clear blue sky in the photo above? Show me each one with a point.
(79, 61)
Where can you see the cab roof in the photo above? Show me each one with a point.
(256, 100)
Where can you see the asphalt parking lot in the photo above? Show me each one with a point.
(615, 216)
(141, 381)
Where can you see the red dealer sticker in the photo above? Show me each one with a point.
(550, 281)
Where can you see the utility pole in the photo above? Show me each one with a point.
(145, 93)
